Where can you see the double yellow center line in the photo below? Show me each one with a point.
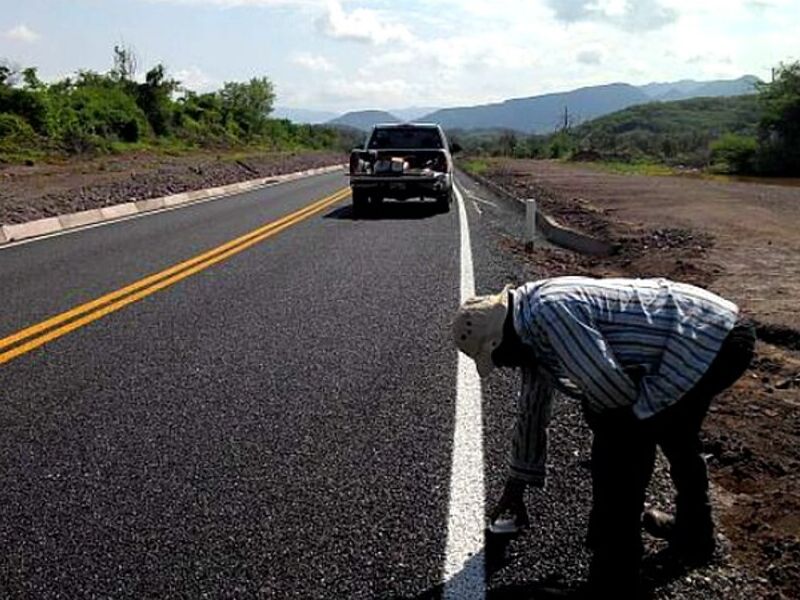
(32, 337)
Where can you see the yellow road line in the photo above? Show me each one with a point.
(63, 323)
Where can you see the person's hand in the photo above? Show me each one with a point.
(512, 502)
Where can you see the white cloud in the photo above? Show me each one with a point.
(22, 33)
(368, 93)
(313, 62)
(590, 57)
(633, 15)
(361, 25)
(234, 3)
(195, 79)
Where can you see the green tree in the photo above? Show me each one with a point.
(5, 74)
(246, 106)
(30, 78)
(154, 97)
(779, 131)
(126, 63)
(735, 152)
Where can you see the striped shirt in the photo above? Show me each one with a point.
(593, 333)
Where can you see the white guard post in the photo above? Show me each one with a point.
(530, 223)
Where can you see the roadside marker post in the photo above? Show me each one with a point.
(530, 223)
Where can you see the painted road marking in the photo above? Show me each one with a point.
(465, 569)
(33, 337)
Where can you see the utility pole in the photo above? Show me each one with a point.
(566, 124)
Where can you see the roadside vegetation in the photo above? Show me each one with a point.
(757, 134)
(94, 113)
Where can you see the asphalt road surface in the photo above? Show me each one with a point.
(277, 423)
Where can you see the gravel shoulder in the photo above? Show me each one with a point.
(34, 192)
(740, 240)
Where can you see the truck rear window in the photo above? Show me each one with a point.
(405, 137)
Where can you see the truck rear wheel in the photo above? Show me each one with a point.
(360, 202)
(444, 201)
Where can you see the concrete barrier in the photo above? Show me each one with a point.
(552, 230)
(22, 231)
(556, 233)
(147, 205)
(32, 229)
(118, 211)
(81, 219)
(175, 199)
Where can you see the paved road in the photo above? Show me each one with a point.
(277, 425)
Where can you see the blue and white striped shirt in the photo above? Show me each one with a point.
(589, 334)
(595, 332)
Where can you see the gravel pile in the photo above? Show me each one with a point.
(33, 193)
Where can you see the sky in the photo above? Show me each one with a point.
(340, 55)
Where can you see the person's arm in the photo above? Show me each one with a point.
(527, 460)
(586, 356)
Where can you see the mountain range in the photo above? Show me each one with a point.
(302, 115)
(548, 112)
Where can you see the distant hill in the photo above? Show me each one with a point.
(687, 88)
(541, 114)
(414, 113)
(302, 115)
(673, 132)
(364, 120)
(716, 116)
(544, 114)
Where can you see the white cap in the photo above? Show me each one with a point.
(478, 328)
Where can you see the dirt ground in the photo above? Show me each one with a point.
(741, 240)
(34, 192)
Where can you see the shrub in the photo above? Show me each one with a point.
(734, 152)
(31, 106)
(109, 112)
(15, 129)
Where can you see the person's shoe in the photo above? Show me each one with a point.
(691, 549)
(694, 552)
(658, 523)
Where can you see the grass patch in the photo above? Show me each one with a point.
(475, 166)
(635, 168)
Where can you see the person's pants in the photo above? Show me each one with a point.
(623, 457)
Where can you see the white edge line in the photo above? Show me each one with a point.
(290, 178)
(465, 562)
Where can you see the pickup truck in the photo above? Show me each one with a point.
(402, 161)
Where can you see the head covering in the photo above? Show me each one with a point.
(478, 328)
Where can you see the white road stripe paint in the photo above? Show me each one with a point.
(475, 197)
(464, 569)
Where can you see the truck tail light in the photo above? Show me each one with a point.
(355, 162)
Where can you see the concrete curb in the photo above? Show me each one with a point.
(50, 225)
(81, 219)
(552, 230)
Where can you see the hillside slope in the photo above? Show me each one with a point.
(715, 116)
(673, 132)
(364, 120)
(541, 114)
